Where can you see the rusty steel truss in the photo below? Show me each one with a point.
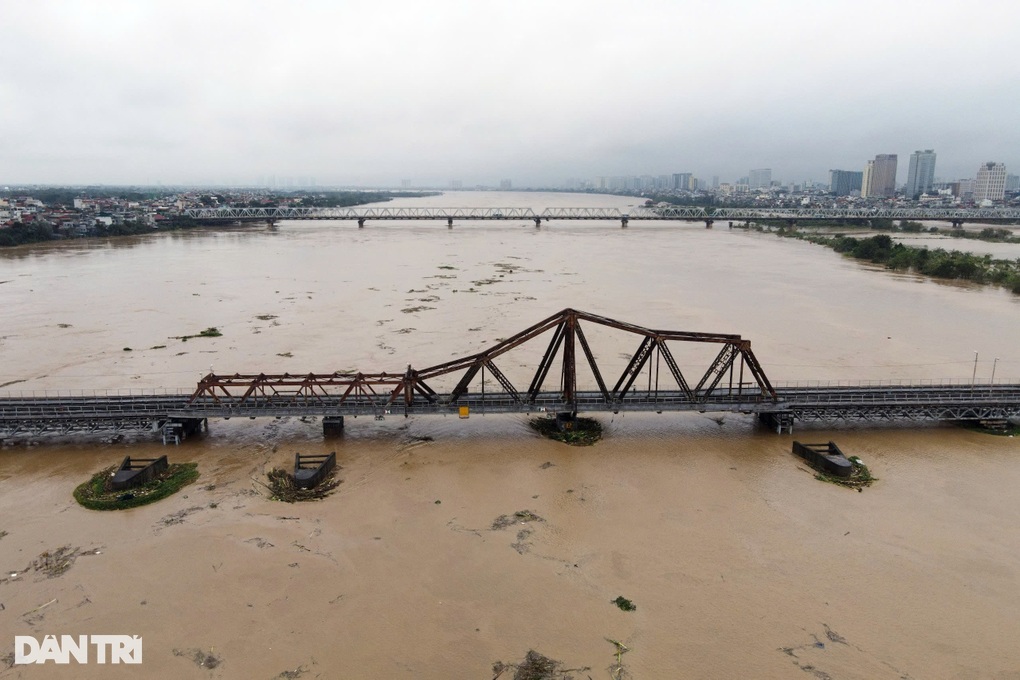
(722, 381)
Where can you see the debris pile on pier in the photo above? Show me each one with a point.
(535, 667)
(283, 487)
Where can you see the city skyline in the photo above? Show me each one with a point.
(227, 92)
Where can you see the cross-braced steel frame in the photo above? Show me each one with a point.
(567, 346)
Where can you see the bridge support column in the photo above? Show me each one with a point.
(361, 223)
(957, 224)
(623, 222)
(538, 223)
(792, 224)
(709, 223)
(177, 430)
(780, 421)
(332, 426)
(566, 422)
(449, 223)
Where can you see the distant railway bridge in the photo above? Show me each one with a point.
(652, 213)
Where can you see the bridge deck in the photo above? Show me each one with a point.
(733, 381)
(37, 414)
(661, 213)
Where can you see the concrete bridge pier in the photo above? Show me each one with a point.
(709, 223)
(566, 422)
(361, 223)
(957, 224)
(177, 430)
(449, 223)
(780, 421)
(538, 223)
(623, 222)
(332, 426)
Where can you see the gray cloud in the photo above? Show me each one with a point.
(373, 92)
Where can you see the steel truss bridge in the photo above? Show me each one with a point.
(652, 379)
(671, 213)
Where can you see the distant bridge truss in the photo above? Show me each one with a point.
(657, 213)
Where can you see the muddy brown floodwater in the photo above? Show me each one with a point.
(740, 563)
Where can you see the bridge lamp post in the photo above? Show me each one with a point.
(993, 370)
(973, 376)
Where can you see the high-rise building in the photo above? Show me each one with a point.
(1012, 182)
(879, 178)
(990, 184)
(921, 174)
(844, 182)
(869, 170)
(682, 181)
(757, 179)
(963, 188)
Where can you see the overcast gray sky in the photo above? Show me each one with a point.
(372, 92)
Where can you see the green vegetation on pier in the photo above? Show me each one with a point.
(585, 431)
(98, 493)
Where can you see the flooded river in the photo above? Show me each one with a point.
(740, 563)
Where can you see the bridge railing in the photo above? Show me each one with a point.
(85, 394)
(895, 382)
(665, 212)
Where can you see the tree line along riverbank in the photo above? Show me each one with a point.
(937, 263)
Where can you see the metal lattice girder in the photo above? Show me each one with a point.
(292, 213)
(723, 362)
(546, 363)
(567, 332)
(503, 381)
(640, 213)
(633, 368)
(356, 393)
(592, 363)
(581, 214)
(62, 427)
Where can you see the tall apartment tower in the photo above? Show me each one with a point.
(682, 181)
(869, 170)
(756, 179)
(844, 182)
(991, 182)
(879, 179)
(921, 175)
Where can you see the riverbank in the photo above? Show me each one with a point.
(937, 263)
